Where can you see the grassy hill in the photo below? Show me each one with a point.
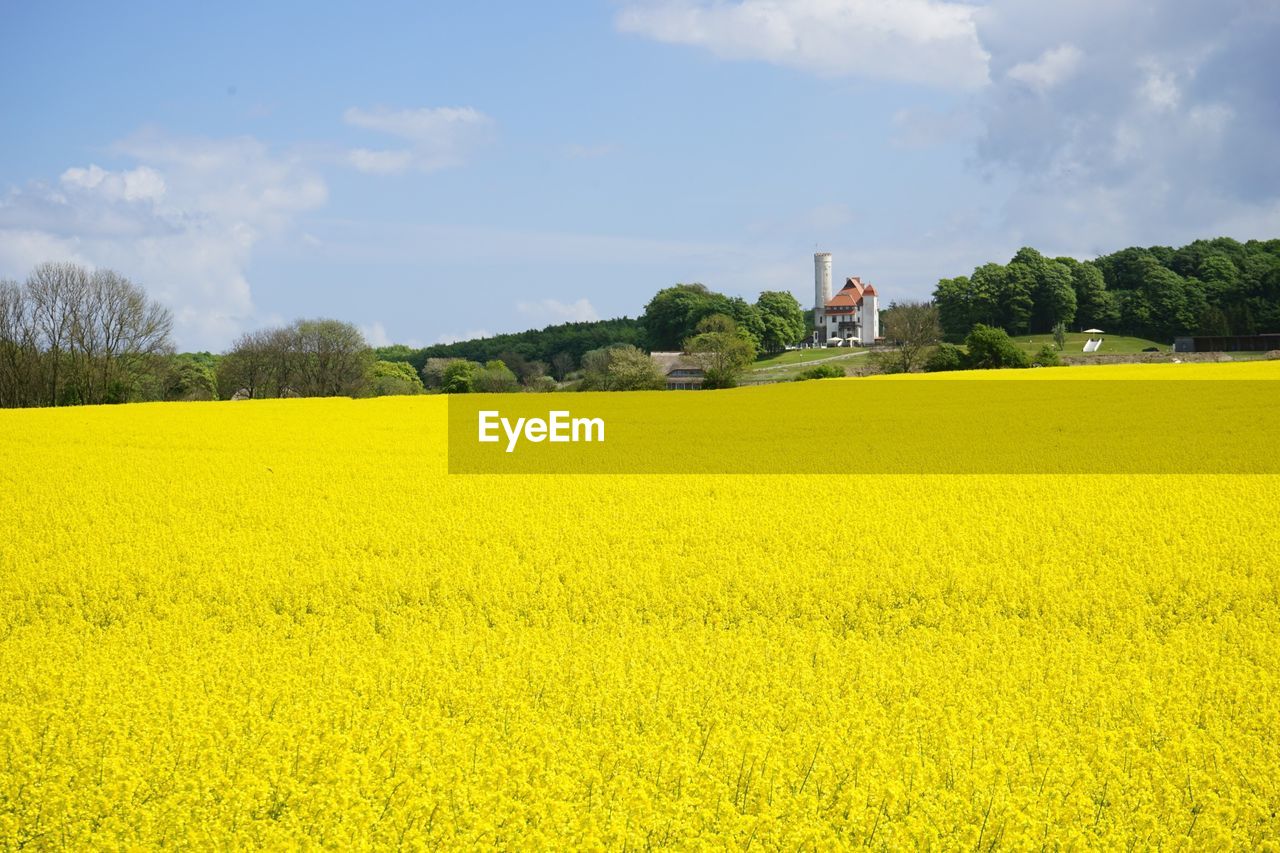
(789, 365)
(1111, 344)
(802, 356)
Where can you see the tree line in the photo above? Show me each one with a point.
(558, 348)
(719, 333)
(1208, 287)
(70, 335)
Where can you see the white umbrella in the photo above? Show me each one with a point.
(1093, 331)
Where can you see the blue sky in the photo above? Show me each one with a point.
(431, 171)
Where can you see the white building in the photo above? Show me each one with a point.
(852, 316)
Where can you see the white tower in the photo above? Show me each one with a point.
(821, 291)
(870, 316)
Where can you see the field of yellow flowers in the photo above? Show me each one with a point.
(282, 623)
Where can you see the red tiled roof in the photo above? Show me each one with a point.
(850, 294)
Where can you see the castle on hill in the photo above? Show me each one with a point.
(851, 317)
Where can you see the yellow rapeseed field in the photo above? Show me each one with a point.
(275, 624)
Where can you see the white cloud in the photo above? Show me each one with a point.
(439, 138)
(140, 184)
(549, 311)
(463, 336)
(1051, 68)
(1159, 88)
(380, 162)
(182, 223)
(376, 334)
(1130, 119)
(920, 41)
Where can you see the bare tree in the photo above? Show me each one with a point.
(333, 359)
(55, 291)
(19, 352)
(912, 328)
(309, 358)
(79, 337)
(248, 366)
(115, 335)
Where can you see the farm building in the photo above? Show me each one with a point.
(851, 316)
(1227, 343)
(680, 373)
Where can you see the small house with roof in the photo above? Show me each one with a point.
(680, 373)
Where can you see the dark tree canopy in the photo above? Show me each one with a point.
(559, 348)
(1208, 287)
(782, 320)
(673, 314)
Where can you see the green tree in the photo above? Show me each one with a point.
(747, 316)
(721, 350)
(987, 292)
(433, 372)
(782, 319)
(495, 378)
(1218, 273)
(188, 376)
(673, 314)
(1060, 336)
(953, 296)
(1016, 298)
(459, 376)
(1094, 307)
(395, 378)
(1050, 284)
(620, 368)
(394, 352)
(1173, 312)
(1213, 322)
(990, 348)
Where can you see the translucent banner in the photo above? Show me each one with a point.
(858, 428)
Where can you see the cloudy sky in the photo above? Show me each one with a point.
(432, 171)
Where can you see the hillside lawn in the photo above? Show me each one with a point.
(1076, 340)
(803, 356)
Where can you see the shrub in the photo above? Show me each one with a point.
(395, 378)
(821, 371)
(945, 357)
(620, 368)
(990, 348)
(1046, 357)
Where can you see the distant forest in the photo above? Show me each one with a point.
(561, 346)
(1209, 287)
